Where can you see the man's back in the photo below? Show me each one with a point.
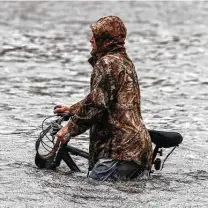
(120, 134)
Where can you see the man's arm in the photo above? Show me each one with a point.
(95, 103)
(59, 108)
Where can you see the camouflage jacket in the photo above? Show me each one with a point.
(112, 108)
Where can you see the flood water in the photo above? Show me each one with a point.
(44, 49)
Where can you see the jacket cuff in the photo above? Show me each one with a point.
(72, 128)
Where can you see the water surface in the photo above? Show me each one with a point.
(43, 61)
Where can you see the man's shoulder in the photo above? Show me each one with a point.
(110, 58)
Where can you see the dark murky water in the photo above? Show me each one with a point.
(43, 52)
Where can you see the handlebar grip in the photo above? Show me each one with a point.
(67, 138)
(65, 116)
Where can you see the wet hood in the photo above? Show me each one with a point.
(109, 33)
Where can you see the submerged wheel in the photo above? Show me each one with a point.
(39, 161)
(44, 162)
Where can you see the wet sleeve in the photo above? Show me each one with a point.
(76, 107)
(95, 103)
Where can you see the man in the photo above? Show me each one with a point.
(120, 145)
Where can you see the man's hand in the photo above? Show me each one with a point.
(61, 134)
(61, 109)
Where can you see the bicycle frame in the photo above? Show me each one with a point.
(161, 139)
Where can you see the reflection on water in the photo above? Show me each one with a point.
(43, 61)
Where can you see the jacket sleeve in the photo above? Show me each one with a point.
(96, 102)
(76, 107)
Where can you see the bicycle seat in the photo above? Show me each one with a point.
(165, 139)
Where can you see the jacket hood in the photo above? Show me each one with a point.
(109, 33)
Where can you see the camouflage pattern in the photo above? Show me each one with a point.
(112, 108)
